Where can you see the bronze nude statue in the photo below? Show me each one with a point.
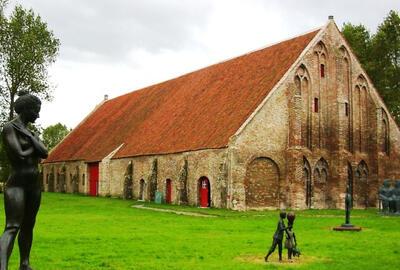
(386, 196)
(347, 226)
(277, 239)
(347, 201)
(22, 192)
(291, 242)
(396, 196)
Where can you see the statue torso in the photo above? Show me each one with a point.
(24, 170)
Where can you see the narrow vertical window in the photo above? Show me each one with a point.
(385, 137)
(316, 105)
(322, 71)
(346, 108)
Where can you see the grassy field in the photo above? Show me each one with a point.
(76, 232)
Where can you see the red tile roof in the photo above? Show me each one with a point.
(199, 110)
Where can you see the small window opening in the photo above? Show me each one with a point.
(346, 108)
(316, 105)
(322, 71)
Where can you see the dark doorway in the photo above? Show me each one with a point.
(168, 191)
(141, 191)
(307, 177)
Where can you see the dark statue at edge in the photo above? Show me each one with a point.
(389, 197)
(22, 191)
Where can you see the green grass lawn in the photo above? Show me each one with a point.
(76, 232)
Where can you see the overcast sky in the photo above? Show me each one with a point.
(117, 46)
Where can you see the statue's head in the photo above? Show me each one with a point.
(386, 183)
(27, 106)
(282, 214)
(397, 185)
(291, 216)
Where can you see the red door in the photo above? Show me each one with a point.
(168, 191)
(204, 192)
(93, 178)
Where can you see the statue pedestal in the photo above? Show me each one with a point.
(347, 227)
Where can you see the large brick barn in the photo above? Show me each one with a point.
(289, 125)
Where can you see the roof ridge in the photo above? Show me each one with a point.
(270, 45)
(221, 62)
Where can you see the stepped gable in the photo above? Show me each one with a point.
(199, 110)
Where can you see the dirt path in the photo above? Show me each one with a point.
(173, 211)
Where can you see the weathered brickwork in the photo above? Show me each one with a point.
(205, 163)
(323, 127)
(68, 177)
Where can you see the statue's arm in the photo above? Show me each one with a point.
(282, 227)
(11, 141)
(39, 147)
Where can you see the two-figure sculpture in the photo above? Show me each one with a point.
(277, 239)
(389, 197)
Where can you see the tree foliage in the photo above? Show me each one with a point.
(379, 55)
(27, 49)
(53, 134)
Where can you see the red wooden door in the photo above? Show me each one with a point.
(93, 178)
(168, 191)
(204, 192)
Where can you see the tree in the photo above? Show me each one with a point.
(360, 40)
(379, 55)
(27, 49)
(53, 134)
(386, 64)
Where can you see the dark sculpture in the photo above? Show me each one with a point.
(396, 197)
(386, 196)
(291, 242)
(22, 191)
(347, 226)
(347, 207)
(277, 239)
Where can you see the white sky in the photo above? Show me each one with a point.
(117, 46)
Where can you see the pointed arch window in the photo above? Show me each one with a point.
(321, 54)
(385, 133)
(303, 89)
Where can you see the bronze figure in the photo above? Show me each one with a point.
(22, 192)
(385, 196)
(396, 197)
(277, 239)
(291, 242)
